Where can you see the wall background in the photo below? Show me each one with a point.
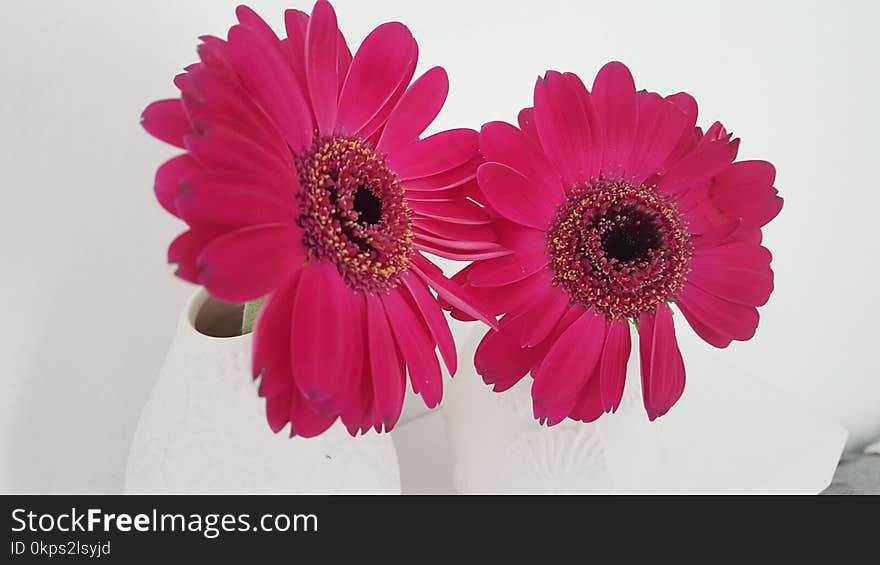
(91, 306)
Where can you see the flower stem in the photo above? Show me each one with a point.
(251, 309)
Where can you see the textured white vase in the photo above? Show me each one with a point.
(203, 429)
(730, 433)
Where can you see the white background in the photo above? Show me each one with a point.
(90, 305)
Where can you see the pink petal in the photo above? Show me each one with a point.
(508, 269)
(322, 41)
(686, 103)
(663, 374)
(661, 125)
(451, 292)
(271, 349)
(612, 371)
(304, 420)
(323, 333)
(725, 320)
(168, 177)
(499, 299)
(745, 190)
(166, 120)
(502, 143)
(440, 152)
(697, 167)
(268, 75)
(343, 60)
(500, 359)
(516, 197)
(463, 212)
(434, 318)
(596, 135)
(737, 272)
(589, 407)
(416, 346)
(526, 121)
(278, 411)
(222, 147)
(388, 376)
(415, 111)
(246, 16)
(360, 415)
(445, 180)
(614, 94)
(379, 67)
(570, 360)
(563, 128)
(229, 201)
(542, 318)
(185, 249)
(459, 232)
(214, 53)
(251, 262)
(296, 23)
(222, 99)
(455, 254)
(462, 245)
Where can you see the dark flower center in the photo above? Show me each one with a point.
(368, 206)
(630, 235)
(354, 213)
(619, 249)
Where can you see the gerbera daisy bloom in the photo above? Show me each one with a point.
(615, 207)
(305, 180)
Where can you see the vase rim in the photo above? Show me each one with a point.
(212, 319)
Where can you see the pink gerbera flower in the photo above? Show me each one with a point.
(305, 180)
(613, 207)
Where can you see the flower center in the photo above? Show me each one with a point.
(354, 213)
(619, 249)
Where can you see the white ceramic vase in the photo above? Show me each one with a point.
(730, 433)
(203, 429)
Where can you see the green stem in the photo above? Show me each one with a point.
(251, 309)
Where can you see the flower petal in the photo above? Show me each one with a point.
(697, 167)
(614, 95)
(500, 359)
(503, 143)
(165, 120)
(570, 360)
(516, 197)
(508, 269)
(724, 320)
(268, 75)
(612, 371)
(434, 318)
(185, 249)
(249, 263)
(323, 333)
(229, 201)
(661, 125)
(416, 346)
(663, 374)
(451, 292)
(737, 272)
(433, 155)
(543, 316)
(745, 190)
(271, 349)
(563, 127)
(379, 67)
(415, 111)
(322, 42)
(388, 376)
(168, 177)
